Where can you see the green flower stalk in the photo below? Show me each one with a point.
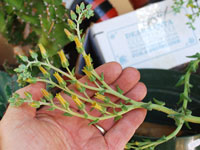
(100, 102)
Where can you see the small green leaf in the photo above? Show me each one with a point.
(51, 109)
(119, 90)
(197, 55)
(78, 10)
(73, 71)
(86, 116)
(158, 102)
(102, 92)
(73, 15)
(11, 100)
(28, 95)
(19, 102)
(89, 6)
(107, 99)
(188, 125)
(183, 97)
(163, 138)
(34, 55)
(21, 68)
(124, 107)
(188, 112)
(16, 95)
(82, 89)
(102, 77)
(24, 58)
(94, 122)
(92, 109)
(67, 114)
(181, 81)
(128, 101)
(32, 80)
(82, 6)
(117, 118)
(114, 112)
(35, 104)
(92, 78)
(83, 38)
(71, 81)
(43, 100)
(67, 93)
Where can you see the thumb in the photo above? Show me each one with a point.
(25, 111)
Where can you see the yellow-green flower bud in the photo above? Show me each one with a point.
(62, 100)
(89, 74)
(63, 59)
(100, 96)
(77, 101)
(35, 104)
(88, 61)
(43, 51)
(79, 45)
(33, 54)
(28, 95)
(71, 24)
(31, 80)
(47, 95)
(59, 79)
(97, 106)
(44, 72)
(69, 34)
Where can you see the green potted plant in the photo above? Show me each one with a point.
(26, 23)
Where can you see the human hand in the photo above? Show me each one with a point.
(25, 128)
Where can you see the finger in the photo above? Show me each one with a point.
(119, 135)
(25, 111)
(137, 93)
(111, 72)
(127, 80)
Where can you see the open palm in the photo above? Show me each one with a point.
(24, 128)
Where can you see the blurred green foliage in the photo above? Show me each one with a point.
(7, 87)
(29, 22)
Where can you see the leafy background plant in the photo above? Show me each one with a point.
(25, 23)
(7, 87)
(29, 22)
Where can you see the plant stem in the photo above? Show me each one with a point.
(109, 90)
(186, 84)
(70, 77)
(167, 138)
(157, 107)
(73, 93)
